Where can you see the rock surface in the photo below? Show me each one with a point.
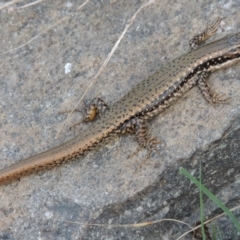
(44, 75)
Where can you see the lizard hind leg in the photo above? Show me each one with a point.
(138, 126)
(95, 108)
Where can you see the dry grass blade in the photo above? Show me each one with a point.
(106, 61)
(46, 30)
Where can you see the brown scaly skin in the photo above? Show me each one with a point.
(144, 101)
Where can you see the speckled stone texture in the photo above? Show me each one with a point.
(50, 74)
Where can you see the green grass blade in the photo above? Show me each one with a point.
(201, 205)
(212, 197)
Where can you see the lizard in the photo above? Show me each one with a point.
(144, 101)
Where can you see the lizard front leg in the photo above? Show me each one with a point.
(207, 93)
(207, 33)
